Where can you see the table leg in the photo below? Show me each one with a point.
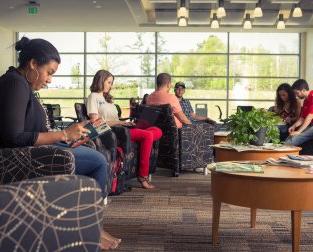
(252, 217)
(216, 220)
(296, 230)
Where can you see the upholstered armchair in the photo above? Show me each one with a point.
(122, 139)
(30, 162)
(55, 213)
(187, 148)
(131, 150)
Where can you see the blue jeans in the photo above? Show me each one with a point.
(91, 163)
(303, 137)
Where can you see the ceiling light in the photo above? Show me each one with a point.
(297, 12)
(258, 10)
(281, 22)
(214, 23)
(182, 21)
(221, 10)
(182, 11)
(247, 24)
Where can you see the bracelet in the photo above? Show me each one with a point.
(65, 136)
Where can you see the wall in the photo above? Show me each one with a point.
(7, 52)
(308, 57)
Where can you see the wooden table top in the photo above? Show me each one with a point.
(277, 173)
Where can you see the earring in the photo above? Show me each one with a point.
(37, 75)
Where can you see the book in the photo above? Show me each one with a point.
(97, 128)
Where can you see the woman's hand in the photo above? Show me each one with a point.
(76, 131)
(292, 129)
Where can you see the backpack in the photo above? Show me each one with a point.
(119, 175)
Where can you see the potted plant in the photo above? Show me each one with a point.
(254, 127)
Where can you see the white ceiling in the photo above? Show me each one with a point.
(121, 15)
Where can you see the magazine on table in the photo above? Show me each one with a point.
(96, 128)
(236, 167)
(301, 161)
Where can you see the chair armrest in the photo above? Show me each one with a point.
(123, 137)
(126, 118)
(29, 162)
(72, 118)
(57, 118)
(68, 208)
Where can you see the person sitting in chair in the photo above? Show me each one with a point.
(186, 106)
(162, 96)
(100, 105)
(302, 130)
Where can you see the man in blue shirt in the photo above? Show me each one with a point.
(186, 106)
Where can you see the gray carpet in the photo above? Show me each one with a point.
(177, 216)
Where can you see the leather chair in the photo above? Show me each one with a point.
(187, 148)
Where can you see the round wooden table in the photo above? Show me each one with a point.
(278, 188)
(223, 154)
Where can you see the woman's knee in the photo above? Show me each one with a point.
(156, 132)
(90, 158)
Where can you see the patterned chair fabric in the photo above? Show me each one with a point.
(132, 154)
(56, 213)
(18, 164)
(181, 149)
(120, 137)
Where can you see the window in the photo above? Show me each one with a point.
(219, 69)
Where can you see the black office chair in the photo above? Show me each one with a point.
(55, 118)
(245, 108)
(119, 113)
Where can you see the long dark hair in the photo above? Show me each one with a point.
(97, 84)
(38, 49)
(293, 104)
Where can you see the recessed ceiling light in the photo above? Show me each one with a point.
(98, 6)
(11, 7)
(94, 2)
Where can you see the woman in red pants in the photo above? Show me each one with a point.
(100, 105)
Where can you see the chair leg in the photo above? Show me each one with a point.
(205, 171)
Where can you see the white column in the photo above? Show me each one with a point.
(7, 51)
(308, 58)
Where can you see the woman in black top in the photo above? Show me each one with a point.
(23, 120)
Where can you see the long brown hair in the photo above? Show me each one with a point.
(293, 104)
(97, 84)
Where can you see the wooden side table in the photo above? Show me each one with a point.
(278, 188)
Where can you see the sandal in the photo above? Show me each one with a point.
(145, 183)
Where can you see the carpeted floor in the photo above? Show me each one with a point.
(177, 216)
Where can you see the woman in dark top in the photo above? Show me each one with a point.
(23, 120)
(287, 107)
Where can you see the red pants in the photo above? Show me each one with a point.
(145, 138)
